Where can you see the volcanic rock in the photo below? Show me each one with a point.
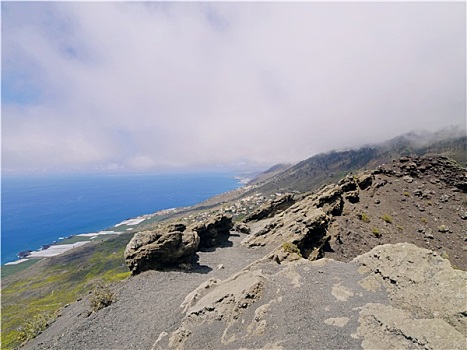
(213, 232)
(272, 207)
(161, 248)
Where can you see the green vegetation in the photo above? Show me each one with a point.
(407, 194)
(363, 217)
(34, 326)
(8, 270)
(376, 232)
(445, 255)
(56, 282)
(387, 218)
(102, 296)
(400, 228)
(443, 228)
(424, 220)
(429, 203)
(291, 248)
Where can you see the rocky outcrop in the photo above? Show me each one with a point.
(303, 226)
(301, 230)
(396, 296)
(241, 227)
(271, 208)
(441, 168)
(428, 304)
(175, 244)
(161, 248)
(214, 231)
(365, 180)
(330, 199)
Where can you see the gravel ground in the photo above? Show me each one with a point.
(146, 305)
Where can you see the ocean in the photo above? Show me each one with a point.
(39, 210)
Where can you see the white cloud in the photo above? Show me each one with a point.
(149, 86)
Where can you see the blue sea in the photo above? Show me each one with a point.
(39, 210)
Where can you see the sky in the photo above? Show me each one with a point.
(151, 87)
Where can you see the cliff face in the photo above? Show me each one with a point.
(363, 263)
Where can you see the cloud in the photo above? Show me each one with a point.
(157, 86)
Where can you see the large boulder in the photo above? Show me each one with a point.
(213, 232)
(161, 248)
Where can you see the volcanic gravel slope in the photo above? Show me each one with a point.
(379, 294)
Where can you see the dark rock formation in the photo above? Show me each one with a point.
(271, 208)
(302, 226)
(444, 169)
(365, 180)
(241, 227)
(24, 254)
(161, 248)
(330, 199)
(213, 232)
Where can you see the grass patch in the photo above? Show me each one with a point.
(58, 281)
(8, 270)
(291, 248)
(387, 218)
(102, 296)
(33, 327)
(445, 255)
(400, 228)
(376, 232)
(443, 228)
(424, 220)
(364, 217)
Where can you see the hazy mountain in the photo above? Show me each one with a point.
(319, 169)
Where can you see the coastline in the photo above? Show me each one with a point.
(131, 224)
(159, 195)
(63, 245)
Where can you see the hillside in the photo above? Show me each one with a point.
(376, 260)
(310, 174)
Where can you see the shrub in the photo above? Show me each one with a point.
(363, 217)
(33, 327)
(291, 248)
(443, 228)
(445, 255)
(101, 297)
(400, 228)
(376, 232)
(407, 194)
(387, 218)
(424, 220)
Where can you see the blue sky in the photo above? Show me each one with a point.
(124, 86)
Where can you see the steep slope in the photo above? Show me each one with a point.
(272, 289)
(310, 174)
